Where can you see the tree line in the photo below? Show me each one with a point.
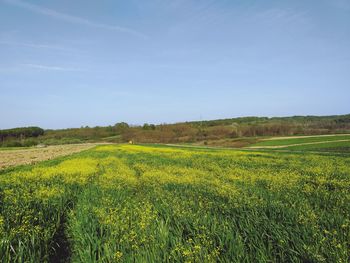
(186, 132)
(21, 133)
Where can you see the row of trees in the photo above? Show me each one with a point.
(184, 132)
(20, 133)
(236, 128)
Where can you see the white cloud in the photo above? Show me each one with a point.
(71, 19)
(32, 45)
(50, 68)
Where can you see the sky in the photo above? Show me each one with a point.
(70, 63)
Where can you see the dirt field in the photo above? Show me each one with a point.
(33, 155)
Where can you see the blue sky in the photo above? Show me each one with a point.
(70, 63)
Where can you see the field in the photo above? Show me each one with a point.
(324, 147)
(17, 156)
(130, 203)
(336, 143)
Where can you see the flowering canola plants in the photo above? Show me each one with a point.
(131, 203)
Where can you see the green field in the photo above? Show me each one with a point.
(332, 143)
(323, 147)
(132, 203)
(300, 139)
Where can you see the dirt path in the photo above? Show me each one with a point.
(33, 155)
(296, 144)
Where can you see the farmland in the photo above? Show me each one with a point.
(338, 146)
(234, 132)
(320, 143)
(14, 156)
(131, 203)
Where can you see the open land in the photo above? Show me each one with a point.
(336, 143)
(12, 157)
(133, 203)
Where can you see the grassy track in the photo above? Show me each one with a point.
(134, 203)
(322, 143)
(336, 146)
(301, 140)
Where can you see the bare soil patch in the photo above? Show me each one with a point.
(33, 155)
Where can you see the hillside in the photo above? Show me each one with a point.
(234, 132)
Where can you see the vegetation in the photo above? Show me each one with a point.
(324, 147)
(236, 132)
(241, 128)
(21, 132)
(301, 140)
(18, 136)
(322, 143)
(134, 203)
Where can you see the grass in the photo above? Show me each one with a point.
(14, 148)
(132, 203)
(300, 140)
(228, 142)
(324, 147)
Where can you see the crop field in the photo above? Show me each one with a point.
(131, 203)
(336, 146)
(336, 143)
(14, 156)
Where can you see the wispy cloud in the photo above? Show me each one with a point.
(278, 14)
(50, 68)
(32, 45)
(71, 19)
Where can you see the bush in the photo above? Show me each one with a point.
(28, 143)
(11, 144)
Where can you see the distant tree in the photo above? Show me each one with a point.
(148, 127)
(121, 127)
